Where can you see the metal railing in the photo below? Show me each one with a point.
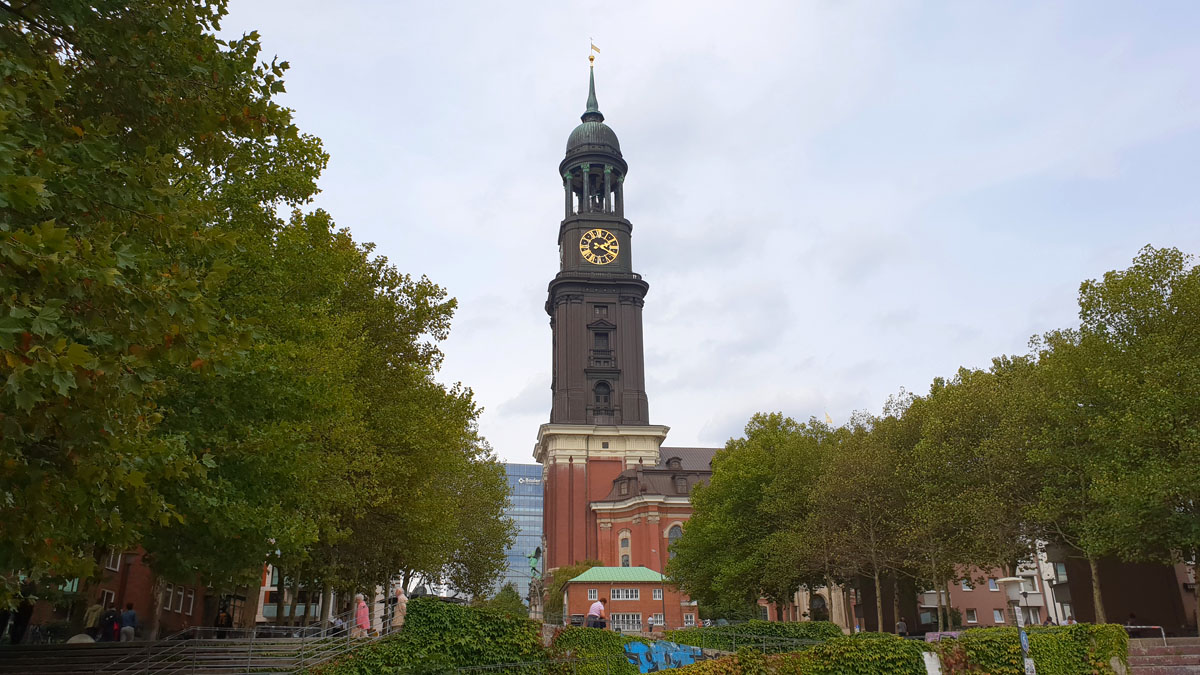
(732, 642)
(245, 649)
(1157, 628)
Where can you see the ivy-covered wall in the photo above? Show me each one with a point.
(1079, 649)
(731, 638)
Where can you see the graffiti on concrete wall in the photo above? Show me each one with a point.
(661, 655)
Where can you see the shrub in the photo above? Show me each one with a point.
(730, 638)
(1079, 649)
(440, 636)
(594, 643)
(860, 654)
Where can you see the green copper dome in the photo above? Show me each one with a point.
(593, 135)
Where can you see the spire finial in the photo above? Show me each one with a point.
(593, 108)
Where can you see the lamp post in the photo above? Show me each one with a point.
(1015, 592)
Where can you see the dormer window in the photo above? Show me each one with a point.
(674, 463)
(623, 488)
(681, 485)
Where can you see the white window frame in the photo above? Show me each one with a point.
(168, 597)
(113, 562)
(1035, 615)
(107, 598)
(191, 601)
(966, 585)
(993, 585)
(657, 620)
(689, 620)
(179, 599)
(626, 594)
(593, 594)
(626, 621)
(1029, 583)
(656, 594)
(998, 616)
(972, 616)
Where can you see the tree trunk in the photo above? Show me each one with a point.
(941, 614)
(779, 611)
(1097, 598)
(156, 593)
(326, 605)
(878, 604)
(291, 619)
(896, 597)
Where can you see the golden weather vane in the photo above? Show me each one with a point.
(591, 56)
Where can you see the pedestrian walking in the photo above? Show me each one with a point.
(362, 617)
(91, 619)
(129, 623)
(901, 628)
(399, 609)
(110, 624)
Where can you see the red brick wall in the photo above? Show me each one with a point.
(670, 606)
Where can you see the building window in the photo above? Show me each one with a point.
(657, 594)
(593, 594)
(966, 585)
(623, 488)
(690, 619)
(762, 613)
(624, 543)
(191, 601)
(625, 621)
(178, 599)
(992, 585)
(972, 616)
(1060, 573)
(603, 392)
(168, 597)
(657, 620)
(600, 310)
(1035, 615)
(673, 536)
(600, 340)
(108, 598)
(1064, 611)
(674, 463)
(681, 485)
(625, 560)
(626, 593)
(1029, 584)
(113, 562)
(998, 615)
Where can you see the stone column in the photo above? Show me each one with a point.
(584, 202)
(567, 190)
(607, 188)
(620, 196)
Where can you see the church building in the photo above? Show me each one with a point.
(613, 492)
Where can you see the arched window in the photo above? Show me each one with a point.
(681, 486)
(624, 543)
(623, 488)
(674, 463)
(603, 392)
(625, 561)
(673, 536)
(624, 537)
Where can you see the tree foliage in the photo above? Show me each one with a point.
(183, 369)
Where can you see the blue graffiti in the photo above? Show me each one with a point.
(661, 655)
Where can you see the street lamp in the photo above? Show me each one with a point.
(1014, 591)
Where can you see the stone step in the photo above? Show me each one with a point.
(1164, 670)
(1166, 660)
(1160, 650)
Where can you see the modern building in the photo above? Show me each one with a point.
(613, 493)
(525, 508)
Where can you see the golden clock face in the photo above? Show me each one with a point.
(599, 247)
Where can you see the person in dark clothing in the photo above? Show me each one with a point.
(223, 623)
(110, 624)
(20, 621)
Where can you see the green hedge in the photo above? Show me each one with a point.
(605, 647)
(439, 636)
(723, 637)
(1079, 649)
(860, 654)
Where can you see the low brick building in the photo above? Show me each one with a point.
(639, 599)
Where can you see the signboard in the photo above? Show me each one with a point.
(529, 481)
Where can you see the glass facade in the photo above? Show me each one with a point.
(525, 508)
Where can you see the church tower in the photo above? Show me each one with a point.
(599, 415)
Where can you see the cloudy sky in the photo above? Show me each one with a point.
(831, 200)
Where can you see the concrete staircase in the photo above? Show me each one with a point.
(1180, 656)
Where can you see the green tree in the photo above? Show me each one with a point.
(507, 601)
(559, 577)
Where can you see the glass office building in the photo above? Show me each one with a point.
(525, 508)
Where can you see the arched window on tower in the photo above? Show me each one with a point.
(673, 536)
(603, 394)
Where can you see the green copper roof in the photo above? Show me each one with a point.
(618, 574)
(593, 108)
